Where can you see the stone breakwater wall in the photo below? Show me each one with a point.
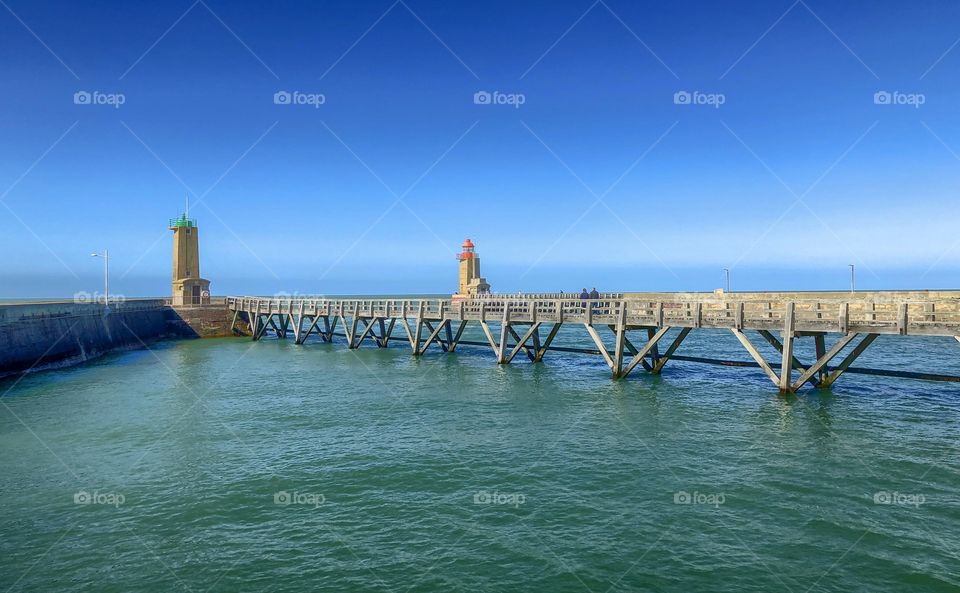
(37, 336)
(206, 321)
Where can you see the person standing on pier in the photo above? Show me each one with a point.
(595, 296)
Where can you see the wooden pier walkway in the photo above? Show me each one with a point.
(529, 323)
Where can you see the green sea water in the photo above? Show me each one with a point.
(228, 465)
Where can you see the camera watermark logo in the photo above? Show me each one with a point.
(499, 498)
(114, 499)
(85, 298)
(914, 100)
(714, 499)
(714, 100)
(498, 98)
(284, 498)
(297, 98)
(898, 498)
(114, 100)
(284, 295)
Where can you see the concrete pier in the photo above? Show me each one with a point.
(36, 336)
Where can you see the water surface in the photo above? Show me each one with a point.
(228, 465)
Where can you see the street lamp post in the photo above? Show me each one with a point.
(106, 276)
(726, 271)
(852, 278)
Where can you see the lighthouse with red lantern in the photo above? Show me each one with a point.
(471, 283)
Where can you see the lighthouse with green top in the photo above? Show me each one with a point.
(188, 287)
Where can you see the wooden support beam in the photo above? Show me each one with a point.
(671, 350)
(292, 323)
(350, 330)
(382, 338)
(254, 323)
(410, 338)
(330, 327)
(389, 332)
(313, 325)
(631, 348)
(264, 327)
(756, 355)
(418, 329)
(367, 327)
(820, 348)
(822, 360)
(655, 351)
(504, 329)
(535, 338)
(600, 345)
(272, 323)
(298, 326)
(433, 336)
(521, 342)
(627, 344)
(649, 346)
(489, 334)
(443, 345)
(854, 355)
(773, 341)
(621, 335)
(786, 362)
(417, 335)
(459, 334)
(546, 343)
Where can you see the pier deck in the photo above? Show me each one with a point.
(853, 320)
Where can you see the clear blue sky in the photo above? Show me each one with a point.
(598, 178)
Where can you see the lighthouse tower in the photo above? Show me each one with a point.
(188, 287)
(471, 283)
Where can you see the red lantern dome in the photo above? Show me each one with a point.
(467, 252)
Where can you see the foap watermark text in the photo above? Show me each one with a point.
(83, 297)
(498, 98)
(284, 498)
(114, 499)
(898, 498)
(714, 100)
(714, 499)
(914, 100)
(114, 100)
(314, 100)
(499, 498)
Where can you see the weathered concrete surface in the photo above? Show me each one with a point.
(37, 336)
(878, 296)
(205, 321)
